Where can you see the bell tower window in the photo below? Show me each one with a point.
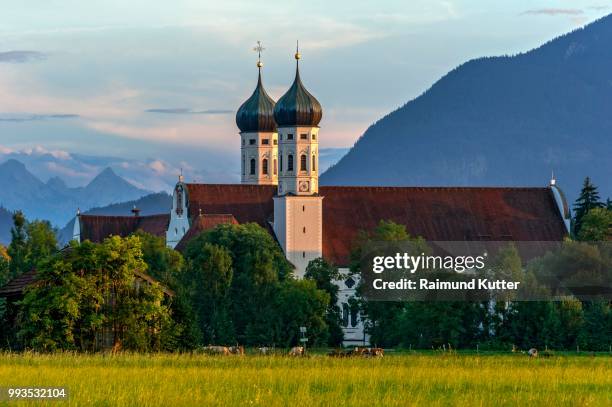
(303, 163)
(252, 166)
(179, 200)
(314, 162)
(290, 162)
(275, 169)
(264, 166)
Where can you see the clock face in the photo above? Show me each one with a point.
(303, 186)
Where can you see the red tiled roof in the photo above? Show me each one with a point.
(98, 227)
(204, 222)
(437, 214)
(248, 203)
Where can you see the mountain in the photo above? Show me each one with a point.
(152, 204)
(6, 223)
(507, 120)
(55, 201)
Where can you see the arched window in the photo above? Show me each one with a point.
(290, 162)
(303, 162)
(314, 163)
(264, 166)
(345, 314)
(281, 163)
(243, 164)
(252, 166)
(275, 169)
(354, 314)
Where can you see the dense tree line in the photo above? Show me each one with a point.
(233, 285)
(570, 324)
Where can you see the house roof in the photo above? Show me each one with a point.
(15, 287)
(204, 222)
(436, 213)
(98, 227)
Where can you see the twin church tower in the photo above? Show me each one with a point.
(279, 146)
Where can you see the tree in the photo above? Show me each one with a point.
(596, 225)
(207, 283)
(31, 242)
(89, 289)
(163, 263)
(17, 250)
(587, 200)
(4, 265)
(241, 268)
(300, 303)
(325, 274)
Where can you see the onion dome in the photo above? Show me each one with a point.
(298, 107)
(257, 112)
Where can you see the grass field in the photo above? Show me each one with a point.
(395, 380)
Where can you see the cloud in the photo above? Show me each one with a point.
(36, 151)
(18, 57)
(554, 12)
(181, 110)
(26, 117)
(598, 8)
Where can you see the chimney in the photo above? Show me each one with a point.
(136, 211)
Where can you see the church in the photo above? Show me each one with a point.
(279, 190)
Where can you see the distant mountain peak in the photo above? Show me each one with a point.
(13, 164)
(56, 183)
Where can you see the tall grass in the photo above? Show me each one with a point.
(396, 380)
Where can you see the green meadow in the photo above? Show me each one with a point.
(396, 380)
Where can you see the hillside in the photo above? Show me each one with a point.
(6, 223)
(507, 120)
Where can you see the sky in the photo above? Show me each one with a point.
(155, 84)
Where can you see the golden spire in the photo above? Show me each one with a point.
(259, 48)
(297, 50)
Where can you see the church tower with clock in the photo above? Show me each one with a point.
(298, 207)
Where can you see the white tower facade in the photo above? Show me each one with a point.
(259, 138)
(259, 158)
(298, 207)
(179, 216)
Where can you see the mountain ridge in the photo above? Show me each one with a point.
(53, 200)
(499, 121)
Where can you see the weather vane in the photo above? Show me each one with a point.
(259, 48)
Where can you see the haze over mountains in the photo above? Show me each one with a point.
(53, 200)
(506, 121)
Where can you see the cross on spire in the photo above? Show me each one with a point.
(259, 49)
